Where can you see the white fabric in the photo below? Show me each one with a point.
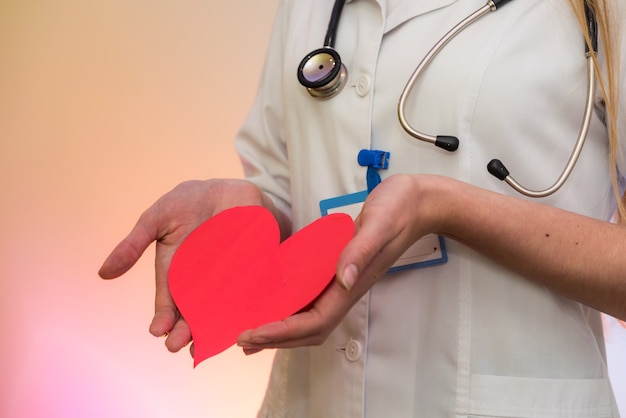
(467, 338)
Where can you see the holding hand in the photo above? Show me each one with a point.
(396, 214)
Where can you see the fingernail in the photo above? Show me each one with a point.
(165, 335)
(348, 277)
(249, 351)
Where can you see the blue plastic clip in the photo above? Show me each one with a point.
(373, 160)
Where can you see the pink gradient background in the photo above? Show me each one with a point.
(104, 106)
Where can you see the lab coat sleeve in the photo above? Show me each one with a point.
(260, 142)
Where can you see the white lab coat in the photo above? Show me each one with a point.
(468, 338)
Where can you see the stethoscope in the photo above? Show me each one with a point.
(323, 74)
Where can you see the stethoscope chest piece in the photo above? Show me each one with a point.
(322, 73)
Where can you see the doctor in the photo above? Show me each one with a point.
(509, 324)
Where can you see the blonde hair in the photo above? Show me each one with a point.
(609, 79)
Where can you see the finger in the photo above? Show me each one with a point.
(299, 330)
(179, 336)
(130, 249)
(165, 317)
(165, 311)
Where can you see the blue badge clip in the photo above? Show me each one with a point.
(373, 160)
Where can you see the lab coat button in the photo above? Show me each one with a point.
(353, 350)
(363, 85)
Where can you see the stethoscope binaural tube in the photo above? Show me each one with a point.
(321, 71)
(446, 142)
(497, 168)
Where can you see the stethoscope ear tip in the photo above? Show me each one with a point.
(497, 169)
(449, 143)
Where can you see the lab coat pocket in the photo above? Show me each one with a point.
(516, 397)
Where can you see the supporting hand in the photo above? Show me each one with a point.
(168, 222)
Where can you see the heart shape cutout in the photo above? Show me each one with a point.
(232, 273)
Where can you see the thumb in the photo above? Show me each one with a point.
(347, 276)
(368, 242)
(128, 251)
(376, 246)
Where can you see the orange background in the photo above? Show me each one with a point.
(104, 106)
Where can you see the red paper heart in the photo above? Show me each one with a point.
(232, 273)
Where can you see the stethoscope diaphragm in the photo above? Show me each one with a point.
(322, 73)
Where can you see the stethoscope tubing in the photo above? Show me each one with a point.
(333, 23)
(324, 84)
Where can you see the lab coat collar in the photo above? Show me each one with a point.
(408, 9)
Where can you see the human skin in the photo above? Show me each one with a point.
(576, 256)
(167, 222)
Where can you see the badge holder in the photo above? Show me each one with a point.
(428, 251)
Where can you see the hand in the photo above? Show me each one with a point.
(394, 216)
(168, 222)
